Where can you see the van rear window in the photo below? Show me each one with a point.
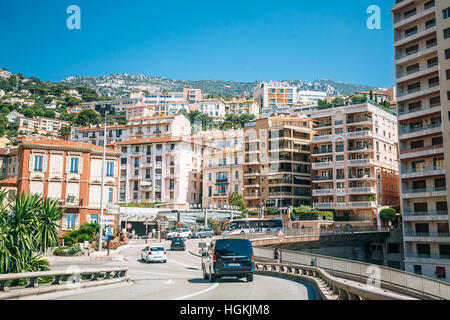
(230, 247)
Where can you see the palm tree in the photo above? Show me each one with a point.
(47, 231)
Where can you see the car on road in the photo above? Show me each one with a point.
(154, 253)
(229, 258)
(204, 233)
(178, 243)
(182, 232)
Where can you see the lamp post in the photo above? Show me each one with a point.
(100, 241)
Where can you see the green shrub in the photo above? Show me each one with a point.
(388, 214)
(311, 215)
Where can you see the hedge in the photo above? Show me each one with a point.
(312, 215)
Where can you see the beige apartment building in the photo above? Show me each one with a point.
(223, 167)
(277, 161)
(422, 62)
(242, 106)
(355, 162)
(275, 97)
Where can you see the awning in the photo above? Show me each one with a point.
(440, 271)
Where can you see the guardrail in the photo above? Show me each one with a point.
(391, 279)
(13, 285)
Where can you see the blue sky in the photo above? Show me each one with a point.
(241, 40)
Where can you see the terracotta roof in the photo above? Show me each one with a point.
(101, 127)
(65, 143)
(154, 117)
(149, 140)
(3, 151)
(8, 181)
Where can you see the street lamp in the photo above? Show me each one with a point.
(100, 241)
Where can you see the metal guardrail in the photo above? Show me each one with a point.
(396, 280)
(9, 282)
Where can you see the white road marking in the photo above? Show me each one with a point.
(197, 293)
(161, 274)
(170, 281)
(182, 264)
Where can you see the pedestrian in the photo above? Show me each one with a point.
(276, 256)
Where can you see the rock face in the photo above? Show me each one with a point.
(119, 85)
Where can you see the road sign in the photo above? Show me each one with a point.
(202, 245)
(108, 218)
(107, 223)
(129, 226)
(109, 231)
(163, 223)
(281, 236)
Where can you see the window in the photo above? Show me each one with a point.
(94, 218)
(447, 53)
(109, 169)
(38, 163)
(446, 13)
(447, 33)
(136, 162)
(73, 165)
(418, 269)
(110, 195)
(70, 220)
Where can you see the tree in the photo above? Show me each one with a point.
(86, 117)
(388, 215)
(245, 118)
(64, 130)
(237, 200)
(28, 112)
(50, 113)
(371, 95)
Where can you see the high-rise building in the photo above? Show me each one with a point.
(277, 162)
(275, 97)
(422, 63)
(355, 161)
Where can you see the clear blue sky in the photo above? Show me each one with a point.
(241, 40)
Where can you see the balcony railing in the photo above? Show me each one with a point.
(430, 126)
(421, 88)
(323, 151)
(425, 213)
(423, 190)
(412, 33)
(423, 169)
(323, 178)
(419, 50)
(427, 256)
(402, 112)
(428, 66)
(427, 234)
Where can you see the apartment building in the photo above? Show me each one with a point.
(146, 127)
(163, 169)
(310, 97)
(223, 167)
(277, 161)
(355, 166)
(70, 172)
(242, 106)
(275, 97)
(41, 125)
(422, 63)
(215, 108)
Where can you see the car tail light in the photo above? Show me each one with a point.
(149, 253)
(164, 252)
(214, 258)
(253, 258)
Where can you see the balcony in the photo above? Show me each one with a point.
(252, 174)
(419, 112)
(424, 192)
(219, 194)
(434, 258)
(416, 15)
(323, 165)
(421, 131)
(365, 120)
(402, 39)
(422, 172)
(347, 205)
(252, 195)
(360, 134)
(253, 185)
(222, 181)
(426, 237)
(419, 72)
(361, 149)
(422, 151)
(323, 125)
(323, 178)
(323, 151)
(362, 162)
(425, 216)
(323, 138)
(323, 192)
(418, 92)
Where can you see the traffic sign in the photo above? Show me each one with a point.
(109, 231)
(107, 223)
(129, 226)
(163, 223)
(108, 218)
(281, 236)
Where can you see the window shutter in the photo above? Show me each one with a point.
(80, 165)
(114, 195)
(64, 222)
(116, 169)
(44, 163)
(67, 165)
(31, 163)
(77, 221)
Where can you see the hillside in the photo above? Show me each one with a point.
(119, 85)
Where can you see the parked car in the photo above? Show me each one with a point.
(154, 253)
(182, 232)
(178, 243)
(204, 233)
(229, 258)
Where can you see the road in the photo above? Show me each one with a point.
(178, 279)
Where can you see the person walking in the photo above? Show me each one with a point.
(276, 256)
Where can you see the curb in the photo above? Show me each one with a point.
(195, 254)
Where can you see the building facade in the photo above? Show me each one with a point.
(277, 161)
(275, 97)
(70, 172)
(422, 62)
(242, 106)
(215, 108)
(355, 162)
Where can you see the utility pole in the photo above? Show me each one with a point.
(100, 241)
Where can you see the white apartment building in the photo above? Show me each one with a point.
(161, 169)
(422, 63)
(215, 108)
(275, 97)
(147, 127)
(310, 97)
(355, 162)
(40, 124)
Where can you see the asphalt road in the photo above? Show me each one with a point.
(178, 279)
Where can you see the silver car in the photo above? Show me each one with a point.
(204, 233)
